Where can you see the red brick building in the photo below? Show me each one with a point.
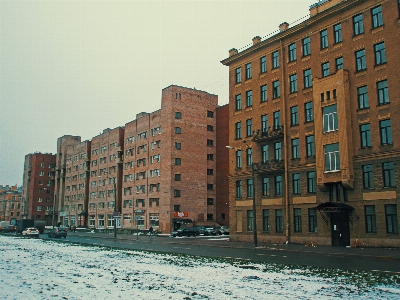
(11, 204)
(315, 104)
(38, 186)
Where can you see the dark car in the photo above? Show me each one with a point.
(57, 232)
(10, 229)
(190, 231)
(211, 231)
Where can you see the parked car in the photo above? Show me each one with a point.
(190, 231)
(31, 231)
(223, 229)
(212, 231)
(201, 229)
(57, 232)
(10, 229)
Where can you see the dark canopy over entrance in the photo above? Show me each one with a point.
(334, 207)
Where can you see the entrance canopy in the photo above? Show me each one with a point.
(334, 207)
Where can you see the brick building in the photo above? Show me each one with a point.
(312, 114)
(11, 204)
(38, 186)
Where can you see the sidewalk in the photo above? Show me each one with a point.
(391, 254)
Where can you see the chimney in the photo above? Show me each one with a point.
(256, 40)
(233, 52)
(283, 26)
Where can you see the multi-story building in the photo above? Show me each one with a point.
(11, 204)
(38, 186)
(313, 130)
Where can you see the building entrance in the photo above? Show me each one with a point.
(340, 229)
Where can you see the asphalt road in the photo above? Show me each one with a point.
(377, 260)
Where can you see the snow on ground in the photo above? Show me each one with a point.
(46, 269)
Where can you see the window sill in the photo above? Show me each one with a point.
(361, 72)
(358, 36)
(380, 66)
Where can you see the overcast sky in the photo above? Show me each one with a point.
(77, 67)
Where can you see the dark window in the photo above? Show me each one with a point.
(278, 150)
(376, 13)
(388, 174)
(337, 33)
(177, 193)
(210, 171)
(368, 177)
(263, 64)
(210, 201)
(250, 220)
(177, 177)
(325, 69)
(311, 182)
(380, 53)
(210, 128)
(276, 92)
(361, 63)
(312, 220)
(249, 188)
(238, 189)
(238, 126)
(295, 149)
(238, 73)
(248, 71)
(210, 142)
(265, 186)
(178, 146)
(293, 83)
(210, 186)
(249, 157)
(210, 156)
(264, 153)
(178, 130)
(391, 218)
(358, 25)
(309, 114)
(386, 132)
(306, 46)
(297, 220)
(277, 120)
(292, 52)
(307, 78)
(332, 157)
(238, 158)
(370, 219)
(278, 185)
(324, 38)
(275, 59)
(296, 183)
(365, 135)
(362, 95)
(278, 220)
(339, 63)
(330, 118)
(249, 127)
(210, 114)
(264, 123)
(177, 161)
(266, 221)
(263, 93)
(294, 115)
(178, 115)
(249, 98)
(238, 102)
(383, 92)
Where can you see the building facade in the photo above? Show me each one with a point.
(11, 204)
(38, 187)
(313, 129)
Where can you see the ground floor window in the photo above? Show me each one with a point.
(92, 221)
(73, 222)
(154, 220)
(266, 220)
(391, 218)
(278, 220)
(139, 221)
(370, 219)
(100, 222)
(250, 220)
(312, 220)
(297, 220)
(110, 220)
(66, 221)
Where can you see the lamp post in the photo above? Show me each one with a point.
(254, 196)
(115, 205)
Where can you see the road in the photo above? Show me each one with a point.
(373, 259)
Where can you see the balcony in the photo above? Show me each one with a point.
(270, 134)
(269, 166)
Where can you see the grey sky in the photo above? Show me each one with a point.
(77, 67)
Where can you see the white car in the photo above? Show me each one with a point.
(31, 231)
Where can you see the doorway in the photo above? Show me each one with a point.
(340, 228)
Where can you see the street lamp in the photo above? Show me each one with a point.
(115, 205)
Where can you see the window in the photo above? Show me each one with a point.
(248, 71)
(308, 108)
(362, 95)
(250, 220)
(210, 156)
(380, 53)
(250, 188)
(238, 73)
(391, 218)
(177, 161)
(249, 98)
(210, 171)
(264, 153)
(365, 135)
(312, 220)
(358, 25)
(296, 183)
(306, 46)
(293, 83)
(278, 151)
(238, 131)
(276, 93)
(360, 60)
(210, 143)
(239, 159)
(178, 130)
(39, 208)
(330, 118)
(249, 157)
(266, 225)
(307, 78)
(238, 102)
(370, 219)
(295, 149)
(178, 146)
(264, 124)
(265, 186)
(337, 33)
(311, 182)
(177, 177)
(368, 177)
(278, 185)
(332, 157)
(386, 132)
(210, 128)
(263, 93)
(238, 189)
(210, 114)
(210, 201)
(297, 219)
(277, 120)
(383, 92)
(292, 52)
(210, 186)
(249, 127)
(275, 59)
(263, 64)
(178, 115)
(325, 69)
(294, 115)
(324, 38)
(339, 63)
(388, 174)
(376, 13)
(278, 220)
(177, 193)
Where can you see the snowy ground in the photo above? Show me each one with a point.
(47, 269)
